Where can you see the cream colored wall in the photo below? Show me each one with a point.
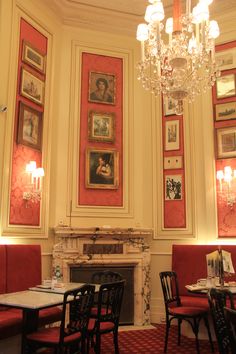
(142, 142)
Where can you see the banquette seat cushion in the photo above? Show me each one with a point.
(20, 268)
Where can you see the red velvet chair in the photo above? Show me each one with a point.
(108, 314)
(69, 336)
(175, 310)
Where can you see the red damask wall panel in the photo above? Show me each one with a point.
(22, 212)
(226, 213)
(112, 67)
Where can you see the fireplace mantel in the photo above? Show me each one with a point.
(108, 247)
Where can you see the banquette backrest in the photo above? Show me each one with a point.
(20, 267)
(189, 262)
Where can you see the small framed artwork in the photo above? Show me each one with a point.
(102, 87)
(173, 162)
(226, 142)
(226, 59)
(32, 87)
(225, 86)
(33, 57)
(169, 106)
(225, 111)
(102, 168)
(173, 187)
(101, 126)
(172, 135)
(29, 127)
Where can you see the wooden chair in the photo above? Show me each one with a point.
(175, 310)
(71, 336)
(217, 301)
(108, 314)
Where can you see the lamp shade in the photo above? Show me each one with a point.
(169, 25)
(142, 32)
(214, 30)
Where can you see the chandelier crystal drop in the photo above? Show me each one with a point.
(181, 65)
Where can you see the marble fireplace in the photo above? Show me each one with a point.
(108, 247)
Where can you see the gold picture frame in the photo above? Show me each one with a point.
(102, 168)
(33, 57)
(30, 127)
(101, 126)
(172, 140)
(225, 111)
(173, 187)
(225, 86)
(226, 142)
(32, 87)
(102, 88)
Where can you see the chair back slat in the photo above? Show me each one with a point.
(170, 289)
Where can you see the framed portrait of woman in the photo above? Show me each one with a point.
(102, 88)
(102, 168)
(30, 127)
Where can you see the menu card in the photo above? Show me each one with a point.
(213, 263)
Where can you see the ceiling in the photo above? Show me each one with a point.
(119, 16)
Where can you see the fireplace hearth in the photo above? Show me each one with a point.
(79, 249)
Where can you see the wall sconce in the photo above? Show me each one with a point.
(225, 178)
(34, 187)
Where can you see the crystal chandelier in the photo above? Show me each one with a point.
(182, 64)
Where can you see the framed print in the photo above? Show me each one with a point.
(173, 187)
(173, 162)
(33, 57)
(29, 127)
(102, 169)
(169, 106)
(226, 60)
(101, 126)
(172, 135)
(225, 86)
(226, 142)
(225, 111)
(102, 88)
(32, 87)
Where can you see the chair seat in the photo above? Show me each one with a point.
(104, 326)
(51, 336)
(187, 311)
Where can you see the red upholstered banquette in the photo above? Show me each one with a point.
(189, 262)
(20, 268)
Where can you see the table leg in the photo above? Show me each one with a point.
(30, 324)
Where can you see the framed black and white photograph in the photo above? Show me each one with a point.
(169, 106)
(173, 187)
(172, 135)
(32, 87)
(30, 127)
(225, 86)
(102, 168)
(101, 126)
(33, 57)
(226, 142)
(225, 111)
(102, 88)
(226, 59)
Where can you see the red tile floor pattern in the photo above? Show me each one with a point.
(151, 341)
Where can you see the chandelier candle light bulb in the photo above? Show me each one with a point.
(180, 68)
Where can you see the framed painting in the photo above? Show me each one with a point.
(226, 59)
(101, 126)
(102, 169)
(173, 187)
(169, 106)
(225, 86)
(102, 88)
(172, 135)
(225, 111)
(226, 142)
(33, 57)
(29, 127)
(32, 87)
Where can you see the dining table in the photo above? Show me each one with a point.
(34, 299)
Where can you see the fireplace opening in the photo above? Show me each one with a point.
(83, 274)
